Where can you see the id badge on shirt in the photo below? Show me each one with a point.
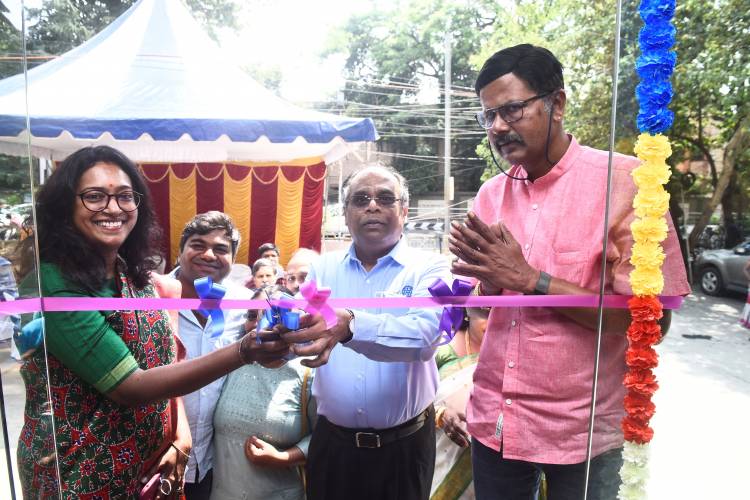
(404, 291)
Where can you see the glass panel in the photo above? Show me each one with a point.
(606, 435)
(27, 423)
(547, 361)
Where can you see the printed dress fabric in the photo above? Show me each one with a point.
(100, 445)
(452, 479)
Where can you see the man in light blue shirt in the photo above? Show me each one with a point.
(208, 246)
(376, 380)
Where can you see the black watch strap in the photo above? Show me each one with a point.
(542, 284)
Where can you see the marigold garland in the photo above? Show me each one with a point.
(651, 202)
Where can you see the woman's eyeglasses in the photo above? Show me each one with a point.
(361, 200)
(509, 112)
(97, 201)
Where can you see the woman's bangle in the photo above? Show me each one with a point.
(243, 360)
(186, 455)
(439, 412)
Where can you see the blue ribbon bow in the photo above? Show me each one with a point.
(280, 313)
(208, 290)
(450, 321)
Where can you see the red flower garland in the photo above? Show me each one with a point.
(643, 333)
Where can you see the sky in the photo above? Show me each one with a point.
(287, 34)
(291, 34)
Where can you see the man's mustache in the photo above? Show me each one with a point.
(502, 140)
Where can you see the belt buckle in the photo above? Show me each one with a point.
(367, 440)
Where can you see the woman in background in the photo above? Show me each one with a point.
(262, 428)
(456, 361)
(745, 318)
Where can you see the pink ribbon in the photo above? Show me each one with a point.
(316, 302)
(57, 304)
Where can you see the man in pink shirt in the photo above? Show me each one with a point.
(538, 229)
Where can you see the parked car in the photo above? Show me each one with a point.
(721, 270)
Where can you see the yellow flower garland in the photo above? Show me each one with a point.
(650, 204)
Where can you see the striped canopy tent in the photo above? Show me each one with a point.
(155, 86)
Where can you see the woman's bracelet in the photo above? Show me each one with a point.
(243, 360)
(186, 455)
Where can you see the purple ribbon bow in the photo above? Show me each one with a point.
(450, 321)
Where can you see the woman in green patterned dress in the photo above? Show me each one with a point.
(456, 361)
(115, 419)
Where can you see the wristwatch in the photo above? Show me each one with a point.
(352, 319)
(542, 284)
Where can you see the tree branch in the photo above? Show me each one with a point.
(706, 154)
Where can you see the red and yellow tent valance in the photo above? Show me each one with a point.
(278, 203)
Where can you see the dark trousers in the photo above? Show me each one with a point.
(200, 490)
(400, 470)
(497, 478)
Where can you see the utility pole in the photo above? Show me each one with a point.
(447, 180)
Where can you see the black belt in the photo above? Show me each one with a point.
(375, 438)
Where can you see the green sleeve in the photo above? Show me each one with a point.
(444, 354)
(84, 341)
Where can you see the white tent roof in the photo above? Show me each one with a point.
(155, 86)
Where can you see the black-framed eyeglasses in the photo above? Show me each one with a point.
(97, 201)
(509, 112)
(362, 200)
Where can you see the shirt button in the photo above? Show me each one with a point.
(367, 281)
(360, 410)
(513, 323)
(526, 246)
(511, 364)
(508, 401)
(360, 377)
(534, 206)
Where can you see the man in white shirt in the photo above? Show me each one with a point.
(208, 247)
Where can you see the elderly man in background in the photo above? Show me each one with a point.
(298, 268)
(208, 246)
(375, 437)
(271, 252)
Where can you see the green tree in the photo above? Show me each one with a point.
(10, 45)
(60, 25)
(581, 35)
(712, 97)
(391, 56)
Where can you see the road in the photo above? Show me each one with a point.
(702, 422)
(702, 425)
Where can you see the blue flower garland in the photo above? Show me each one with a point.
(655, 66)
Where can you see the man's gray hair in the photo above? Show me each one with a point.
(401, 180)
